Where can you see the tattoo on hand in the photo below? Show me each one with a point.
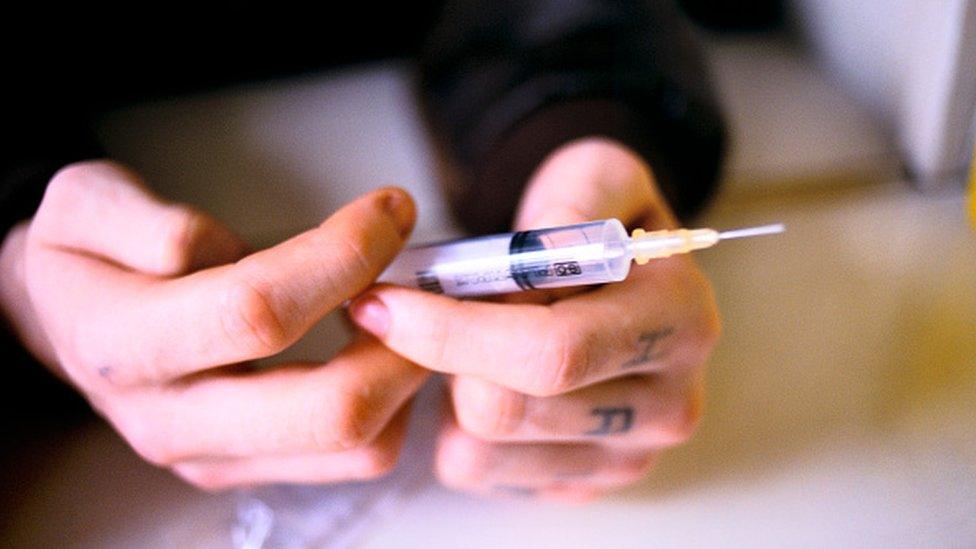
(609, 425)
(647, 347)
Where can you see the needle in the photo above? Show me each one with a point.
(752, 231)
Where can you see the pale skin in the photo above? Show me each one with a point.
(153, 309)
(564, 394)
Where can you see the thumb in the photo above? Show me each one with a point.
(587, 180)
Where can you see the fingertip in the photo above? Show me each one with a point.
(370, 314)
(399, 205)
(485, 409)
(585, 180)
(407, 305)
(460, 460)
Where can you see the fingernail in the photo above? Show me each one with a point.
(371, 315)
(398, 204)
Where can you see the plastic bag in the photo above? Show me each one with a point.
(339, 515)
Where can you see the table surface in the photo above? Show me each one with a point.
(840, 397)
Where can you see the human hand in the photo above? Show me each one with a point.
(150, 309)
(571, 392)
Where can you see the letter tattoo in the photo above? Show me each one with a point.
(647, 347)
(608, 424)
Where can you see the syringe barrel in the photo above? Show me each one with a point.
(571, 255)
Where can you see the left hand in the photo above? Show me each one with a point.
(566, 393)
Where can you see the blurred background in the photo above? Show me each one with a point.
(841, 396)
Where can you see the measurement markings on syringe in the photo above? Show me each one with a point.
(484, 277)
(567, 268)
(428, 281)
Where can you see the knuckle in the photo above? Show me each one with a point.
(708, 324)
(63, 190)
(179, 228)
(376, 462)
(209, 479)
(343, 422)
(147, 427)
(699, 343)
(635, 468)
(685, 419)
(491, 412)
(78, 178)
(250, 318)
(711, 330)
(564, 361)
(461, 461)
(151, 444)
(69, 179)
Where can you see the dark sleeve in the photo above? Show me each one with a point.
(505, 82)
(44, 130)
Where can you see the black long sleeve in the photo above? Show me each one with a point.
(507, 81)
(43, 132)
(504, 82)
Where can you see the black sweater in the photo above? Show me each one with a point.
(503, 83)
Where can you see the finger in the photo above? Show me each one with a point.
(144, 330)
(663, 319)
(587, 180)
(633, 412)
(104, 209)
(467, 463)
(298, 409)
(15, 301)
(369, 462)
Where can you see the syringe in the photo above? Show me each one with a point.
(572, 255)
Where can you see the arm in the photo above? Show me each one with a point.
(506, 83)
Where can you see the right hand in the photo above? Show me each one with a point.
(149, 309)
